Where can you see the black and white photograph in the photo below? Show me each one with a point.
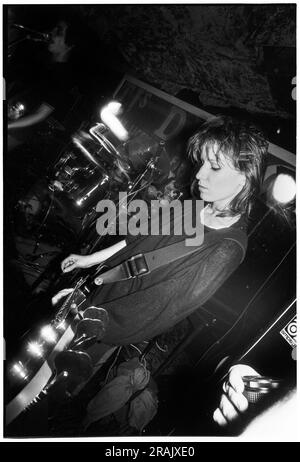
(149, 223)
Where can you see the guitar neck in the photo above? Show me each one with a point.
(73, 300)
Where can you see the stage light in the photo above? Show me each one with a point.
(18, 369)
(48, 333)
(108, 116)
(114, 107)
(284, 188)
(35, 349)
(62, 325)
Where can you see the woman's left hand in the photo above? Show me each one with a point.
(61, 294)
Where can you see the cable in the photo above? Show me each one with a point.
(136, 348)
(113, 363)
(164, 350)
(269, 328)
(255, 343)
(243, 312)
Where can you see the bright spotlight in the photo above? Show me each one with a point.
(284, 188)
(114, 107)
(49, 334)
(108, 116)
(19, 370)
(62, 326)
(35, 349)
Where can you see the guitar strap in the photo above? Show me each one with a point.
(145, 263)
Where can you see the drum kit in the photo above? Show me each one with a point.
(60, 209)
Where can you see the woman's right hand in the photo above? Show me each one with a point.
(74, 261)
(232, 401)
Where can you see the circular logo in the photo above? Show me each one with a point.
(292, 329)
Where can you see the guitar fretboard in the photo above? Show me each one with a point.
(67, 305)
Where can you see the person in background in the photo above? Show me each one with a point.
(52, 90)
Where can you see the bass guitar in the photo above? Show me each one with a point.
(35, 367)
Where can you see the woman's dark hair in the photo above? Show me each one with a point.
(245, 145)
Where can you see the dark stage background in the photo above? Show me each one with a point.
(206, 59)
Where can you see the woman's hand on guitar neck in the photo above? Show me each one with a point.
(61, 294)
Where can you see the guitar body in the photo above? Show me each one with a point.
(38, 380)
(34, 368)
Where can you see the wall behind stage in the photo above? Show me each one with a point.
(158, 115)
(237, 59)
(233, 59)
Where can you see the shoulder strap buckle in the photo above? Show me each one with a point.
(136, 266)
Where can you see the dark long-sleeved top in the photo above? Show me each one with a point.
(143, 307)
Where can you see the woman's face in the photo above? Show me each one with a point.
(218, 180)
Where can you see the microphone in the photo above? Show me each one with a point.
(33, 34)
(256, 387)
